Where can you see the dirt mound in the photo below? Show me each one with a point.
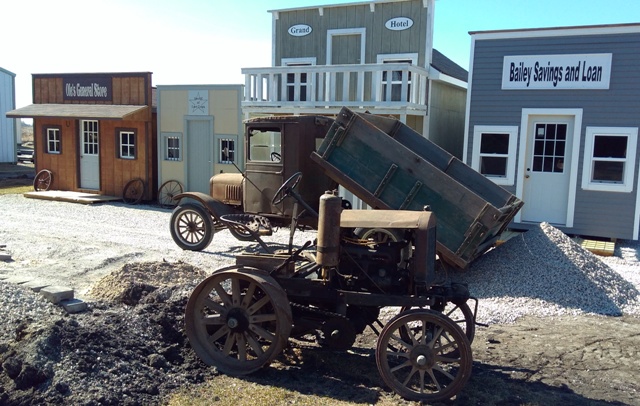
(133, 281)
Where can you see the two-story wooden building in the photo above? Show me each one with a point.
(94, 131)
(374, 56)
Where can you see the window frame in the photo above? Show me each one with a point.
(47, 140)
(394, 58)
(219, 140)
(512, 131)
(130, 145)
(626, 186)
(165, 146)
(306, 88)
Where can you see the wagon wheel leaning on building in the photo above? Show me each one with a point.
(43, 180)
(167, 191)
(133, 191)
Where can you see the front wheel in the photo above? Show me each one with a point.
(191, 227)
(424, 356)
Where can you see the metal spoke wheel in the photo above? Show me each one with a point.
(424, 356)
(167, 191)
(43, 180)
(133, 191)
(191, 227)
(238, 320)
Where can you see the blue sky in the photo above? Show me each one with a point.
(209, 41)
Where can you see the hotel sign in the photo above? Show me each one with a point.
(549, 72)
(86, 88)
(399, 23)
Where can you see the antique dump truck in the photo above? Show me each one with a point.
(241, 317)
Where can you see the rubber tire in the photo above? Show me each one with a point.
(197, 211)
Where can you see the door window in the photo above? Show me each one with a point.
(90, 137)
(549, 147)
(265, 145)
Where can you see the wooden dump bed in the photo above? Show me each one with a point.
(390, 166)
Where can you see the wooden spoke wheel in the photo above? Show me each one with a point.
(191, 227)
(133, 191)
(168, 191)
(461, 314)
(238, 320)
(43, 180)
(424, 356)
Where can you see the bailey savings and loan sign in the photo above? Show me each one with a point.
(569, 71)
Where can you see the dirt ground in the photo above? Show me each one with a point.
(569, 360)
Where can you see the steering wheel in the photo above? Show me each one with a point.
(286, 188)
(275, 157)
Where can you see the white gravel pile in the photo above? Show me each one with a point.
(545, 273)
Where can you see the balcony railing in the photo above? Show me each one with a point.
(390, 87)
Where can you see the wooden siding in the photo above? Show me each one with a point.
(127, 89)
(596, 213)
(379, 40)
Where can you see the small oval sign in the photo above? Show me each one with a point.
(399, 23)
(300, 30)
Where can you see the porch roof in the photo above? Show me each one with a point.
(79, 111)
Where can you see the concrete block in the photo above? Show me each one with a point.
(18, 280)
(36, 285)
(74, 305)
(56, 294)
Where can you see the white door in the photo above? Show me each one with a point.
(547, 169)
(89, 155)
(199, 140)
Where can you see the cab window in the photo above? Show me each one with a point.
(265, 145)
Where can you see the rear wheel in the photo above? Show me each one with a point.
(191, 227)
(238, 320)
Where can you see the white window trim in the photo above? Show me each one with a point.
(478, 130)
(311, 77)
(628, 178)
(382, 58)
(120, 144)
(231, 137)
(165, 146)
(57, 141)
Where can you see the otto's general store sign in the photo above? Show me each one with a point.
(577, 71)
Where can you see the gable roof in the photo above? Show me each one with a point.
(448, 67)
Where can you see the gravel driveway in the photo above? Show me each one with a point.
(571, 351)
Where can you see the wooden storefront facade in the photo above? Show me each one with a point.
(94, 131)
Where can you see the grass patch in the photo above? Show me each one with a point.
(15, 189)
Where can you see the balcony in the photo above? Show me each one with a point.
(390, 88)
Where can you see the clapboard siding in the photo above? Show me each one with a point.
(596, 213)
(379, 40)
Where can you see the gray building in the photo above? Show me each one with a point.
(553, 116)
(8, 128)
(374, 56)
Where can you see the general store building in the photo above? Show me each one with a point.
(94, 131)
(553, 116)
(374, 56)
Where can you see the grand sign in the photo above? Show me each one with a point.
(569, 71)
(94, 88)
(300, 30)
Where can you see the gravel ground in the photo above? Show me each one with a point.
(129, 348)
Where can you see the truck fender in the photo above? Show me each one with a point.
(215, 207)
